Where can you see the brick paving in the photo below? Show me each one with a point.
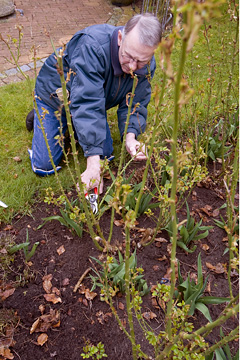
(61, 19)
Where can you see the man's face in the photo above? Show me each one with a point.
(132, 54)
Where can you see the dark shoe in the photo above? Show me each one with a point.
(30, 120)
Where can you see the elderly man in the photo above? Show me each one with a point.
(102, 59)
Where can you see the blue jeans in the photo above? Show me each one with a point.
(40, 159)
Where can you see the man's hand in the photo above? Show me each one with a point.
(91, 177)
(132, 146)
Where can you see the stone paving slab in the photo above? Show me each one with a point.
(6, 7)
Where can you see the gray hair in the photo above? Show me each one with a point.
(149, 28)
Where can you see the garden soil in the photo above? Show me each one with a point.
(78, 317)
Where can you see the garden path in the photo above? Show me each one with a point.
(61, 19)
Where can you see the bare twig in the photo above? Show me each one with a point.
(81, 279)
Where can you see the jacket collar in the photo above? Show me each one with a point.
(114, 55)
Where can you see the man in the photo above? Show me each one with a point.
(102, 59)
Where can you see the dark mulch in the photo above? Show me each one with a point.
(82, 320)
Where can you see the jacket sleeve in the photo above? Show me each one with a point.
(87, 99)
(137, 123)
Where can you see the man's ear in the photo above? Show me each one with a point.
(119, 37)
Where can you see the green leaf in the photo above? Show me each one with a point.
(50, 218)
(213, 300)
(184, 247)
(204, 310)
(18, 247)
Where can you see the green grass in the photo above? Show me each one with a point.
(20, 188)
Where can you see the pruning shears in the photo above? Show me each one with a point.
(92, 198)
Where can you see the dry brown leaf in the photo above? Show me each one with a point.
(90, 295)
(85, 302)
(34, 326)
(121, 305)
(61, 250)
(218, 269)
(101, 317)
(215, 213)
(161, 239)
(47, 285)
(4, 294)
(8, 227)
(17, 159)
(65, 282)
(162, 258)
(52, 298)
(207, 210)
(149, 315)
(56, 291)
(118, 222)
(168, 274)
(6, 353)
(205, 247)
(46, 321)
(156, 267)
(41, 308)
(42, 339)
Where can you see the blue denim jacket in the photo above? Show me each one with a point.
(97, 83)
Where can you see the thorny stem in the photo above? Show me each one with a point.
(128, 295)
(174, 185)
(135, 81)
(231, 219)
(233, 335)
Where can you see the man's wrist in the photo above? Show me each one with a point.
(93, 160)
(130, 136)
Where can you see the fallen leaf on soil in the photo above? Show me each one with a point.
(90, 295)
(41, 308)
(225, 239)
(6, 340)
(162, 258)
(7, 291)
(205, 247)
(42, 339)
(149, 315)
(156, 267)
(118, 222)
(101, 317)
(168, 274)
(6, 353)
(46, 321)
(61, 250)
(3, 251)
(208, 288)
(121, 306)
(47, 285)
(85, 302)
(161, 239)
(215, 213)
(207, 209)
(8, 227)
(194, 195)
(65, 282)
(56, 291)
(17, 159)
(52, 298)
(218, 269)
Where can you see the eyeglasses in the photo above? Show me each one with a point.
(130, 59)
